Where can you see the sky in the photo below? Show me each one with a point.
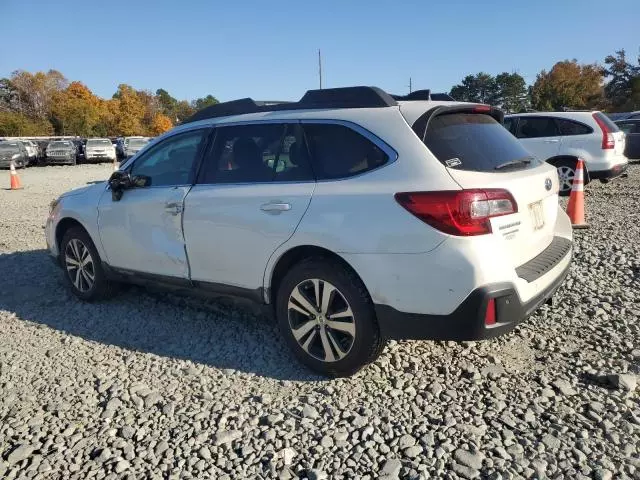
(268, 50)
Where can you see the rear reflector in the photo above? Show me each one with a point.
(608, 142)
(490, 315)
(459, 212)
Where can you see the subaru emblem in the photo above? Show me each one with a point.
(548, 184)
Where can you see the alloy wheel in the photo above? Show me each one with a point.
(321, 320)
(566, 175)
(79, 264)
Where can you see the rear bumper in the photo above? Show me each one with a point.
(467, 321)
(612, 172)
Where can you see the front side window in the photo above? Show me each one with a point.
(569, 127)
(536, 127)
(338, 151)
(257, 153)
(171, 161)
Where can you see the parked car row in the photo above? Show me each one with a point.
(68, 151)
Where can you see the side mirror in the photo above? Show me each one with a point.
(121, 181)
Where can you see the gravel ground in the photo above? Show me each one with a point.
(148, 385)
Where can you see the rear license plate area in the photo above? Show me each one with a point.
(537, 215)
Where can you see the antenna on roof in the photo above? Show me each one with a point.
(320, 67)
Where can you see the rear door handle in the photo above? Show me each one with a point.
(174, 208)
(275, 207)
(552, 140)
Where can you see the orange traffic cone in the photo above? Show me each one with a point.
(15, 179)
(575, 208)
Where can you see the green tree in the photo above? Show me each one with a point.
(479, 88)
(512, 94)
(200, 103)
(16, 124)
(623, 89)
(568, 84)
(183, 111)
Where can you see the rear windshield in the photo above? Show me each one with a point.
(138, 142)
(98, 142)
(607, 121)
(477, 142)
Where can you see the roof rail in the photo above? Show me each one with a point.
(345, 97)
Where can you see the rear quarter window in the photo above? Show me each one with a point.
(569, 127)
(472, 141)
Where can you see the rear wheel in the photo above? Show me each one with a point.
(82, 266)
(327, 318)
(566, 174)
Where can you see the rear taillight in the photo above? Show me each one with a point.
(459, 212)
(608, 142)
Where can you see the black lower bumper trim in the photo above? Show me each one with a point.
(467, 321)
(611, 173)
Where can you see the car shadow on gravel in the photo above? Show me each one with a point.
(220, 333)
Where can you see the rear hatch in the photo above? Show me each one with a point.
(479, 153)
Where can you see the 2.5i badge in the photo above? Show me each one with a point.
(453, 162)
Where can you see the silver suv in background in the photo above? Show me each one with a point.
(61, 152)
(132, 145)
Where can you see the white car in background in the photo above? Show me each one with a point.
(99, 150)
(354, 216)
(560, 138)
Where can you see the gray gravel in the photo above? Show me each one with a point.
(149, 385)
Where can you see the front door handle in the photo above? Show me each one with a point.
(275, 207)
(174, 208)
(552, 140)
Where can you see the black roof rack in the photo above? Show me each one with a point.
(346, 97)
(424, 95)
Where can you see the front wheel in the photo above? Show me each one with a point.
(82, 266)
(327, 318)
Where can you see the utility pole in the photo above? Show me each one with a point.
(320, 67)
(410, 85)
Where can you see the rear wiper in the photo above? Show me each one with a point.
(513, 163)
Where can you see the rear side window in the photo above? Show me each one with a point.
(536, 127)
(607, 121)
(338, 151)
(510, 124)
(258, 153)
(629, 127)
(569, 127)
(471, 141)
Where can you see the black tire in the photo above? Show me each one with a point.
(566, 167)
(365, 346)
(101, 287)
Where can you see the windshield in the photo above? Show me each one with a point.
(138, 142)
(60, 145)
(99, 142)
(471, 141)
(9, 147)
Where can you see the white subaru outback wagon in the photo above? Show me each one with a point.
(355, 215)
